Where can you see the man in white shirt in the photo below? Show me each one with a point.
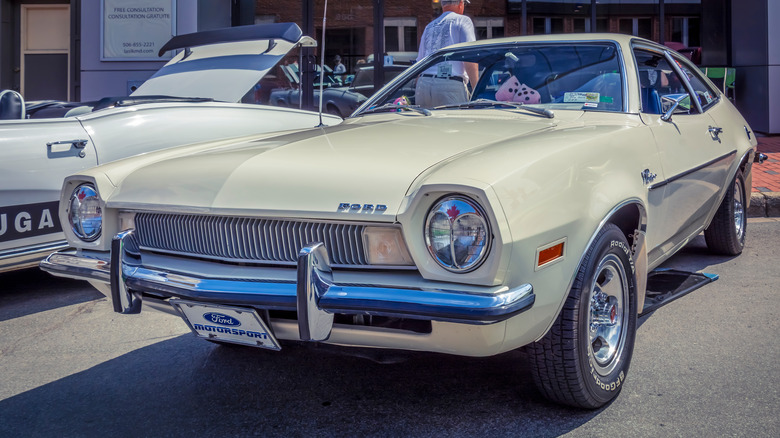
(446, 83)
(339, 68)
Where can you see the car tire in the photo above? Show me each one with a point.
(726, 233)
(583, 359)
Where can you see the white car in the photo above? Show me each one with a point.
(195, 97)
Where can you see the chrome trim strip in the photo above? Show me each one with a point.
(32, 250)
(693, 170)
(659, 50)
(80, 267)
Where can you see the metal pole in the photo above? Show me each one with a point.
(524, 19)
(662, 20)
(306, 67)
(379, 43)
(322, 58)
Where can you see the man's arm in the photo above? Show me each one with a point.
(472, 69)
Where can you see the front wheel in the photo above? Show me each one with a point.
(726, 233)
(583, 360)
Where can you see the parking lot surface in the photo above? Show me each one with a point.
(704, 365)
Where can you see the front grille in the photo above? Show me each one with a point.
(250, 240)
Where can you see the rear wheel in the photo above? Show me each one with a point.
(726, 233)
(583, 360)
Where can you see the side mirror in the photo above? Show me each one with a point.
(676, 99)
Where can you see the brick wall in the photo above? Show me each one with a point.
(359, 14)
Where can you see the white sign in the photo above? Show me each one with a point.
(135, 30)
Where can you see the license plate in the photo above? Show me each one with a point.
(226, 323)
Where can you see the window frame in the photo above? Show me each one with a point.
(682, 62)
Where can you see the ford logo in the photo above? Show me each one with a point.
(218, 318)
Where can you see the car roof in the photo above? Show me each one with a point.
(621, 39)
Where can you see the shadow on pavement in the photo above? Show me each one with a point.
(30, 291)
(187, 387)
(693, 257)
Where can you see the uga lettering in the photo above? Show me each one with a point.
(22, 221)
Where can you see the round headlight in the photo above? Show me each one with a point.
(85, 215)
(457, 234)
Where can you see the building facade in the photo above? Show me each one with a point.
(56, 49)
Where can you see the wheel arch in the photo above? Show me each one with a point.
(746, 166)
(630, 216)
(330, 105)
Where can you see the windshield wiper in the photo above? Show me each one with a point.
(394, 107)
(485, 103)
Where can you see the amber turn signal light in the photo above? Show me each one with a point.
(550, 254)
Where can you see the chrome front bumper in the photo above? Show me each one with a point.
(314, 294)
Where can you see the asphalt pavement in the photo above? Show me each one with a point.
(704, 365)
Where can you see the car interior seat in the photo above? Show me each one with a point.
(11, 105)
(651, 101)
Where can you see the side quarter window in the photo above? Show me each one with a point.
(660, 86)
(707, 96)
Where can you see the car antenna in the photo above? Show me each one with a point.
(322, 60)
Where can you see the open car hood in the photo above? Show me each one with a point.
(222, 64)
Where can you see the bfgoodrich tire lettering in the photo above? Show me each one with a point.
(584, 358)
(726, 233)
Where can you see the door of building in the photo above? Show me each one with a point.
(45, 52)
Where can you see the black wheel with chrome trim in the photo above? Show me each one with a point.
(726, 233)
(583, 360)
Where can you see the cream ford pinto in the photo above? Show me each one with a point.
(527, 212)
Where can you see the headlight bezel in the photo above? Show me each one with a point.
(474, 210)
(89, 192)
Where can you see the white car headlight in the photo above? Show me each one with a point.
(457, 233)
(84, 214)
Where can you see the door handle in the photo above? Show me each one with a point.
(715, 132)
(78, 144)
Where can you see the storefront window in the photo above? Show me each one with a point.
(554, 16)
(643, 18)
(641, 27)
(686, 31)
(400, 34)
(486, 27)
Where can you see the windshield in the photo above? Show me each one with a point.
(586, 76)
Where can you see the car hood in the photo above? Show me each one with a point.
(221, 71)
(310, 173)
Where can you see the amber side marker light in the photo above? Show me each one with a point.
(550, 254)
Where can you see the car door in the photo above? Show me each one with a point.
(695, 161)
(35, 157)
